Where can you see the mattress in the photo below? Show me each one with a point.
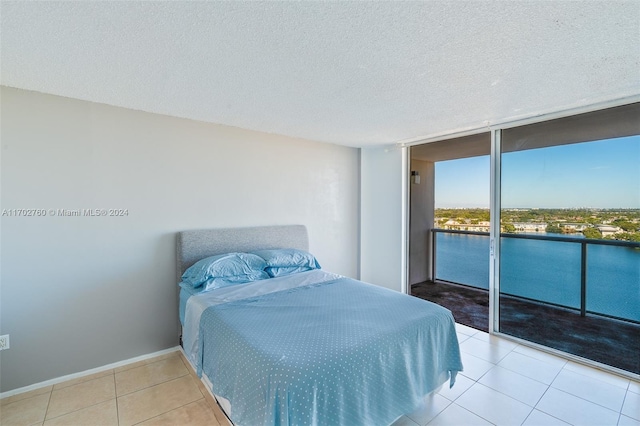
(317, 348)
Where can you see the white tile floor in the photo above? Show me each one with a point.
(508, 384)
(503, 384)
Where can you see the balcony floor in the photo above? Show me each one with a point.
(608, 341)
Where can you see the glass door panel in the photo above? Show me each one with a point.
(569, 261)
(449, 226)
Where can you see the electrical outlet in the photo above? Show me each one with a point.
(4, 342)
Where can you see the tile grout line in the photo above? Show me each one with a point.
(81, 380)
(529, 415)
(476, 414)
(622, 407)
(586, 400)
(536, 380)
(510, 396)
(83, 408)
(548, 414)
(115, 387)
(628, 380)
(202, 397)
(145, 362)
(147, 387)
(564, 362)
(151, 386)
(79, 409)
(165, 412)
(48, 404)
(507, 395)
(548, 387)
(591, 402)
(542, 411)
(173, 409)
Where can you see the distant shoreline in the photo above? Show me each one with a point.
(611, 223)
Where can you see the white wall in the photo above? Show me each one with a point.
(81, 292)
(383, 217)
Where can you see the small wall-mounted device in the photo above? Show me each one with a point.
(415, 177)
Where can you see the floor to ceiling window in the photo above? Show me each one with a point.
(569, 275)
(563, 266)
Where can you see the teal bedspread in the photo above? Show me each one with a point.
(337, 353)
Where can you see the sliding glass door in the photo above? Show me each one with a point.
(449, 226)
(555, 259)
(569, 258)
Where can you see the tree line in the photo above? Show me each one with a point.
(626, 219)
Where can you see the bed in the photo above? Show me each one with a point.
(304, 346)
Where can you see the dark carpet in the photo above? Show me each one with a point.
(611, 342)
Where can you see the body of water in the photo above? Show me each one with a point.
(548, 271)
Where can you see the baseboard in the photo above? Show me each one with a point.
(87, 372)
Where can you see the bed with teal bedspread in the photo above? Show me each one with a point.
(312, 348)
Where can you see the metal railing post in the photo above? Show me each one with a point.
(583, 280)
(433, 255)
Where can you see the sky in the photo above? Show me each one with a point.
(600, 174)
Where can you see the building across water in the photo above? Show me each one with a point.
(608, 230)
(530, 226)
(482, 226)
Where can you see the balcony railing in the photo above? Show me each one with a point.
(583, 244)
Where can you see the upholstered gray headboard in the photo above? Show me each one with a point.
(192, 246)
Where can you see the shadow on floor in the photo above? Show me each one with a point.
(611, 342)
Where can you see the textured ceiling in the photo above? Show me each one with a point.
(350, 73)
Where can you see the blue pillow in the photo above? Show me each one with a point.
(213, 283)
(223, 266)
(278, 271)
(287, 261)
